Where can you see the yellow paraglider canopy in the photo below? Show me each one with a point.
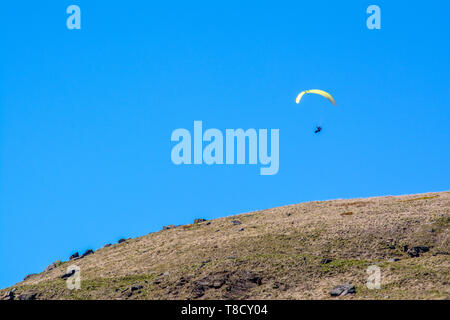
(316, 91)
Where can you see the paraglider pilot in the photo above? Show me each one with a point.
(318, 129)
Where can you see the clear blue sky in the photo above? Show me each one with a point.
(86, 115)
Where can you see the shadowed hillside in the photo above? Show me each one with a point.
(299, 251)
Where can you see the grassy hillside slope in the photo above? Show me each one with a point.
(293, 252)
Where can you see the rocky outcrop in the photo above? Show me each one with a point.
(87, 252)
(52, 266)
(28, 276)
(9, 295)
(342, 290)
(74, 256)
(417, 251)
(27, 296)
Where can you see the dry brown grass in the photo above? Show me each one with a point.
(278, 255)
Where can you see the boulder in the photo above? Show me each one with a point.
(74, 256)
(52, 266)
(87, 252)
(198, 291)
(27, 296)
(393, 259)
(342, 290)
(136, 287)
(9, 295)
(28, 276)
(199, 220)
(417, 251)
(236, 222)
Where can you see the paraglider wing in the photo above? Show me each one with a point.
(316, 91)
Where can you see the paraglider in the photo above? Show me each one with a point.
(319, 92)
(316, 91)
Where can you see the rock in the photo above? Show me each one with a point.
(198, 291)
(393, 260)
(27, 296)
(107, 245)
(417, 251)
(255, 279)
(288, 214)
(342, 290)
(121, 240)
(280, 286)
(9, 295)
(68, 274)
(236, 222)
(74, 256)
(182, 281)
(171, 226)
(87, 252)
(199, 220)
(325, 261)
(28, 276)
(391, 244)
(52, 266)
(218, 283)
(136, 287)
(163, 274)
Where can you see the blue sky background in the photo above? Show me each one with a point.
(86, 115)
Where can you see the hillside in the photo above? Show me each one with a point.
(293, 252)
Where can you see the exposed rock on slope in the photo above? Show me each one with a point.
(301, 251)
